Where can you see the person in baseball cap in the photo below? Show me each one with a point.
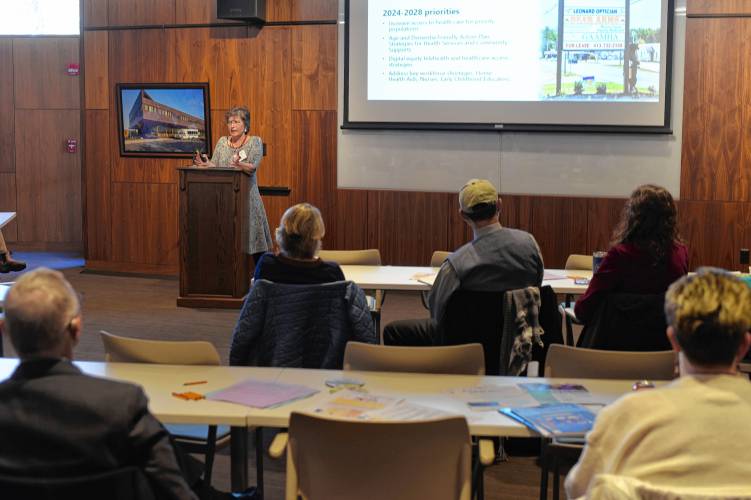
(496, 260)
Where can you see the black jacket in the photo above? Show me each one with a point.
(56, 421)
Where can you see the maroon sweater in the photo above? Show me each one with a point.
(628, 269)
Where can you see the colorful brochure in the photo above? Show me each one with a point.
(557, 420)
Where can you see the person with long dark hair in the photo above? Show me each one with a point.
(646, 254)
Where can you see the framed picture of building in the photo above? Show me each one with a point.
(163, 119)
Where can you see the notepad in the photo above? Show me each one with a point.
(261, 394)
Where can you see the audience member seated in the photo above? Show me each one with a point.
(8, 264)
(693, 433)
(59, 422)
(300, 311)
(646, 255)
(496, 260)
(299, 238)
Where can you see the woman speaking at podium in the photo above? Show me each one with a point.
(242, 151)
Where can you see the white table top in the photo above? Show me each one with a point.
(420, 279)
(159, 381)
(391, 277)
(6, 217)
(3, 292)
(428, 390)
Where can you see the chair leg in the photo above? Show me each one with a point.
(259, 463)
(569, 323)
(556, 477)
(208, 465)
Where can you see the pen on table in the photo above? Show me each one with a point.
(197, 382)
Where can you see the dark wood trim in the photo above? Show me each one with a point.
(206, 25)
(131, 268)
(210, 302)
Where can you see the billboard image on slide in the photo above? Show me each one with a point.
(506, 50)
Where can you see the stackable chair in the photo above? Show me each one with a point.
(465, 359)
(574, 262)
(193, 438)
(436, 260)
(369, 257)
(576, 362)
(329, 459)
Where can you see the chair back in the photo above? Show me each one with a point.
(466, 359)
(475, 318)
(438, 257)
(128, 483)
(129, 350)
(329, 459)
(627, 322)
(578, 262)
(370, 257)
(575, 362)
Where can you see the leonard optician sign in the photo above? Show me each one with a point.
(594, 25)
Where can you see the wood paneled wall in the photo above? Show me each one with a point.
(286, 73)
(715, 207)
(39, 111)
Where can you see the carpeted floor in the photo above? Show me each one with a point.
(145, 307)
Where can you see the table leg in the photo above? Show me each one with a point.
(239, 458)
(259, 462)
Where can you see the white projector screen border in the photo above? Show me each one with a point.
(497, 116)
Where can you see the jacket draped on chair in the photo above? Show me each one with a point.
(306, 326)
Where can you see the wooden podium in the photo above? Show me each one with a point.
(214, 258)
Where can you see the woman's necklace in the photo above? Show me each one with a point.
(242, 142)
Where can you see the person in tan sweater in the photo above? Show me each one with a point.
(7, 264)
(693, 433)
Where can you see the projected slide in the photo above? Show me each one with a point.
(476, 50)
(502, 54)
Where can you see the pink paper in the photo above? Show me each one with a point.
(260, 394)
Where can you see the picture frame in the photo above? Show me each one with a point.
(168, 120)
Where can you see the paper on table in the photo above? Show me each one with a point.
(425, 278)
(357, 405)
(559, 393)
(260, 394)
(552, 276)
(492, 397)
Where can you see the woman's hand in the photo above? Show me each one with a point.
(246, 167)
(201, 160)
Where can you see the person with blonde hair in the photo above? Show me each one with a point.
(694, 433)
(299, 238)
(60, 422)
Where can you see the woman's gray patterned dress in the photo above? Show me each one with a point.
(260, 236)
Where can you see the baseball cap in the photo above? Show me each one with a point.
(476, 192)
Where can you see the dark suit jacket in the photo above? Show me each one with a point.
(56, 421)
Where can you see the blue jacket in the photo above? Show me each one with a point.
(304, 326)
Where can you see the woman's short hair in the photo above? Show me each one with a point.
(240, 112)
(710, 313)
(650, 221)
(300, 231)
